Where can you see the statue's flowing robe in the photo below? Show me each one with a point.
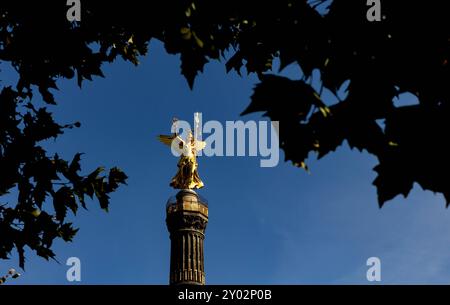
(187, 176)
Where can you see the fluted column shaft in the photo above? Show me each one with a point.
(186, 221)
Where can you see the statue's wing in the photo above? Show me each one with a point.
(199, 145)
(168, 140)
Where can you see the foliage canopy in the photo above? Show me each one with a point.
(406, 52)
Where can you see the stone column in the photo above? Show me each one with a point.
(187, 216)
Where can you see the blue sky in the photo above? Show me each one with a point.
(276, 225)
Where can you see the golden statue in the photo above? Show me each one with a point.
(187, 176)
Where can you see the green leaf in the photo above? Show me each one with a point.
(74, 166)
(116, 177)
(67, 232)
(63, 199)
(198, 40)
(36, 212)
(94, 175)
(186, 33)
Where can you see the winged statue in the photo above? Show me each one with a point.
(187, 176)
